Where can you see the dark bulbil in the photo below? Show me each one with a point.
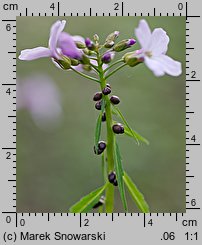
(106, 90)
(101, 145)
(98, 105)
(111, 177)
(115, 182)
(98, 151)
(115, 100)
(118, 128)
(97, 96)
(104, 117)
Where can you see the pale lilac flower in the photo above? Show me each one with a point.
(41, 98)
(68, 47)
(154, 47)
(60, 43)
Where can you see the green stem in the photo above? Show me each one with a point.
(84, 75)
(110, 141)
(95, 67)
(110, 156)
(118, 68)
(115, 63)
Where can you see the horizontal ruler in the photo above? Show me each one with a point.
(63, 227)
(116, 8)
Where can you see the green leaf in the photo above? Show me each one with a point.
(125, 122)
(128, 130)
(86, 203)
(98, 126)
(120, 174)
(136, 194)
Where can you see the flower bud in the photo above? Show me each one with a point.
(86, 67)
(80, 45)
(132, 59)
(86, 51)
(97, 96)
(89, 44)
(115, 100)
(124, 44)
(109, 43)
(106, 90)
(65, 63)
(74, 62)
(85, 60)
(98, 105)
(104, 117)
(101, 145)
(107, 57)
(118, 128)
(96, 38)
(112, 177)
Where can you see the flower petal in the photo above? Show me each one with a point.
(79, 68)
(55, 32)
(170, 66)
(35, 53)
(78, 39)
(68, 47)
(159, 42)
(143, 34)
(155, 66)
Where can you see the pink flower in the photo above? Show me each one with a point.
(154, 47)
(40, 96)
(60, 43)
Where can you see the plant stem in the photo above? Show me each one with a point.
(118, 68)
(110, 141)
(115, 63)
(84, 75)
(110, 156)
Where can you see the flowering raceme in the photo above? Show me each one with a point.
(82, 55)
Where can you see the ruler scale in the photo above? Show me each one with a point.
(63, 227)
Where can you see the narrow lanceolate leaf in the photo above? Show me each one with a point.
(125, 122)
(128, 130)
(136, 194)
(120, 174)
(86, 203)
(98, 126)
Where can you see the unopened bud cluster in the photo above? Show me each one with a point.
(88, 48)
